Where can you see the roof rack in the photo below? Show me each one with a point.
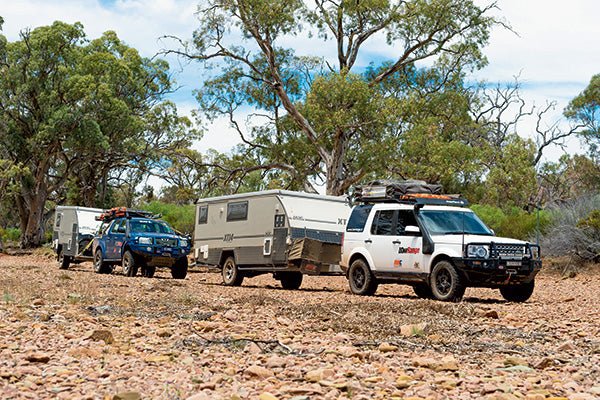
(406, 192)
(119, 212)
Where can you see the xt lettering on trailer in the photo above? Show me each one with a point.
(409, 250)
(342, 221)
(228, 237)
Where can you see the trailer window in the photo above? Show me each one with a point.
(203, 214)
(237, 211)
(358, 218)
(58, 219)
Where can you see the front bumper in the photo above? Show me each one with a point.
(159, 256)
(496, 272)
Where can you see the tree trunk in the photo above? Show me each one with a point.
(31, 212)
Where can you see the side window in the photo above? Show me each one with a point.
(383, 223)
(118, 226)
(237, 211)
(358, 218)
(405, 218)
(203, 214)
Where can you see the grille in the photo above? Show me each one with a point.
(508, 250)
(166, 242)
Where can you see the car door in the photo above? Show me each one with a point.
(383, 246)
(115, 239)
(409, 245)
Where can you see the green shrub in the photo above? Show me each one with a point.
(180, 217)
(10, 234)
(513, 222)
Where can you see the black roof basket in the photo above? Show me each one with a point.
(405, 192)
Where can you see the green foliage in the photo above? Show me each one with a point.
(591, 221)
(585, 109)
(513, 222)
(181, 217)
(10, 234)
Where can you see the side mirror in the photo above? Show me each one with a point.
(411, 229)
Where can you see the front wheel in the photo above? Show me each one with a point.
(231, 274)
(101, 267)
(361, 279)
(518, 293)
(423, 291)
(179, 269)
(63, 261)
(446, 284)
(290, 280)
(130, 267)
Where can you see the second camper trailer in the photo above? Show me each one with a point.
(276, 231)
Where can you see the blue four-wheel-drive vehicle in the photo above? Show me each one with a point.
(138, 240)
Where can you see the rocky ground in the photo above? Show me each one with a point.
(75, 334)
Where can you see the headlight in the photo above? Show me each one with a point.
(477, 251)
(183, 243)
(145, 240)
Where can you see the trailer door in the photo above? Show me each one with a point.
(279, 246)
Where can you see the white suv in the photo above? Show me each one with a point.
(437, 246)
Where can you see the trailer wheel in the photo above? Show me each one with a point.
(361, 279)
(231, 274)
(446, 284)
(148, 271)
(100, 266)
(179, 268)
(63, 261)
(130, 267)
(290, 279)
(84, 244)
(517, 293)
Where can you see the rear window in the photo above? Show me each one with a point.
(358, 218)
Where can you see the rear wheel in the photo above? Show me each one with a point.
(179, 269)
(100, 266)
(130, 267)
(518, 293)
(63, 261)
(231, 274)
(446, 284)
(290, 279)
(423, 291)
(361, 279)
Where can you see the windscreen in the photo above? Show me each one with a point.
(444, 222)
(149, 226)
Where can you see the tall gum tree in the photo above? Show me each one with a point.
(419, 30)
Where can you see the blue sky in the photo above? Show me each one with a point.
(555, 52)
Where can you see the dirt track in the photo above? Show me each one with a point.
(76, 334)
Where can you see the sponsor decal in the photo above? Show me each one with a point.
(409, 250)
(416, 265)
(397, 263)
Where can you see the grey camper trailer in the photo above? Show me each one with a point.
(74, 230)
(276, 231)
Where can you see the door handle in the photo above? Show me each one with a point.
(397, 242)
(368, 241)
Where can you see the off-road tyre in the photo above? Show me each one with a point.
(231, 274)
(290, 280)
(148, 271)
(179, 268)
(129, 264)
(83, 243)
(518, 293)
(361, 279)
(63, 261)
(100, 266)
(423, 291)
(445, 282)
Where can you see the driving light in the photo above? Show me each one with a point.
(183, 243)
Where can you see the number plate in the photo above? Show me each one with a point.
(513, 263)
(167, 249)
